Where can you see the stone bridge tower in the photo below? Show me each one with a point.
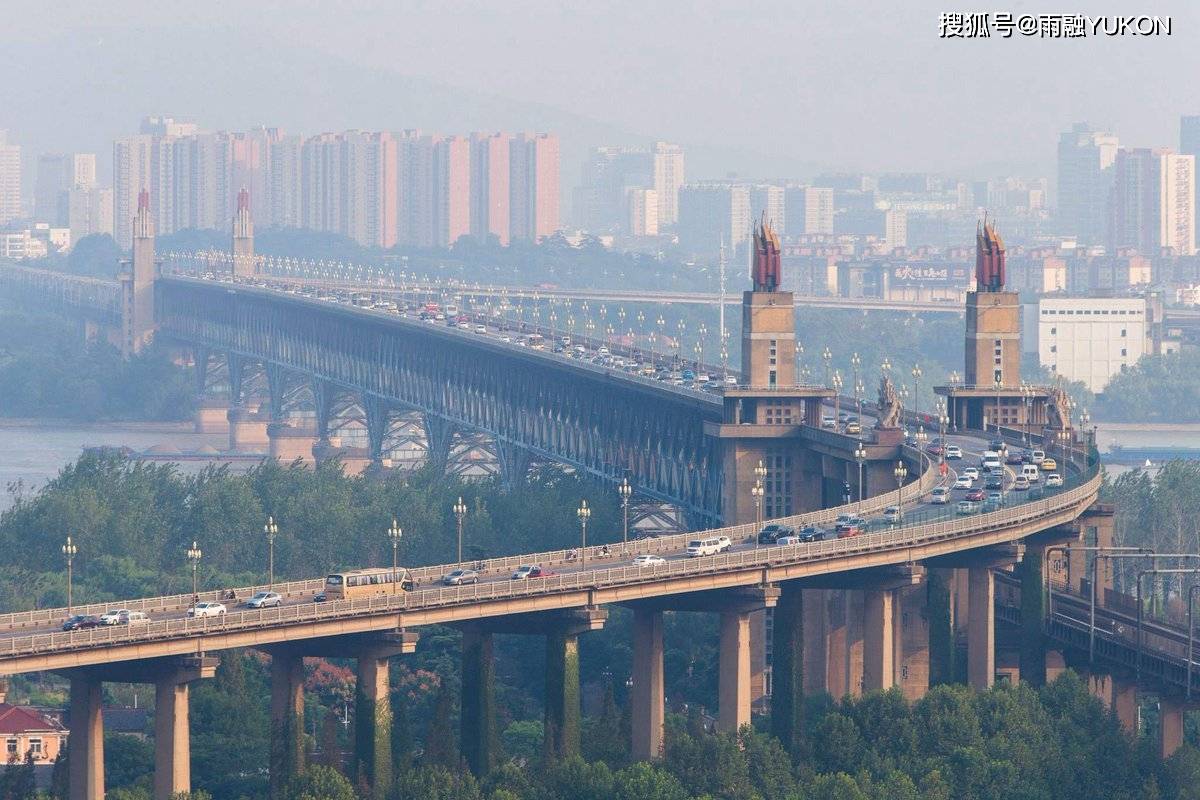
(137, 283)
(244, 264)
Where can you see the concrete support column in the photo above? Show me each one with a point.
(1033, 612)
(172, 742)
(1055, 664)
(879, 669)
(1170, 727)
(648, 699)
(562, 719)
(788, 667)
(836, 638)
(1125, 706)
(981, 632)
(940, 606)
(287, 720)
(86, 744)
(854, 600)
(815, 639)
(912, 642)
(478, 715)
(373, 724)
(734, 695)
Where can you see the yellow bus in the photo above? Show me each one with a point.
(366, 582)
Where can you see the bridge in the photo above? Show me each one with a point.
(848, 614)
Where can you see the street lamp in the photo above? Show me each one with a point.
(941, 409)
(271, 530)
(997, 384)
(194, 555)
(916, 373)
(886, 366)
(759, 492)
(69, 550)
(460, 513)
(625, 491)
(394, 533)
(837, 396)
(954, 382)
(827, 356)
(660, 322)
(901, 472)
(860, 455)
(855, 363)
(584, 513)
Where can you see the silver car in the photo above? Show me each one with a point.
(265, 600)
(460, 576)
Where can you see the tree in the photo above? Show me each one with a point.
(331, 750)
(435, 783)
(60, 775)
(642, 781)
(319, 783)
(441, 746)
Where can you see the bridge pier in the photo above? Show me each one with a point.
(247, 430)
(478, 705)
(514, 463)
(439, 437)
(172, 743)
(287, 444)
(879, 667)
(648, 699)
(373, 712)
(86, 743)
(734, 693)
(1170, 726)
(981, 630)
(788, 665)
(287, 718)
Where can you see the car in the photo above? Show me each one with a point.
(1021, 484)
(843, 518)
(459, 577)
(1014, 459)
(993, 482)
(206, 609)
(1054, 479)
(466, 326)
(941, 495)
(975, 496)
(530, 571)
(953, 452)
(996, 498)
(811, 533)
(772, 532)
(522, 572)
(963, 482)
(79, 622)
(1049, 465)
(481, 329)
(892, 515)
(265, 600)
(320, 597)
(998, 445)
(648, 560)
(853, 428)
(1037, 456)
(934, 448)
(710, 545)
(731, 380)
(113, 616)
(843, 417)
(965, 507)
(972, 473)
(848, 529)
(829, 423)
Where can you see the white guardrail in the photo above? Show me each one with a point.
(307, 588)
(896, 538)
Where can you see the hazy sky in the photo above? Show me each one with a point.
(862, 84)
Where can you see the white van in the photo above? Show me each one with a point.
(1030, 472)
(708, 547)
(939, 496)
(990, 460)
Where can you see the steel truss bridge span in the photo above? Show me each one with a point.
(600, 421)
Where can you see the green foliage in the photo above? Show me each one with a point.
(1157, 388)
(46, 370)
(128, 760)
(319, 783)
(435, 783)
(523, 739)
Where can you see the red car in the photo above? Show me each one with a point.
(848, 529)
(976, 495)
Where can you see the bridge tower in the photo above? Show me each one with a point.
(137, 283)
(763, 415)
(243, 238)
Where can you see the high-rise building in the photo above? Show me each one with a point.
(643, 212)
(712, 213)
(451, 190)
(668, 177)
(767, 203)
(1085, 160)
(89, 211)
(534, 203)
(320, 183)
(1153, 202)
(54, 179)
(284, 199)
(83, 170)
(1189, 145)
(490, 190)
(414, 177)
(10, 179)
(808, 210)
(133, 159)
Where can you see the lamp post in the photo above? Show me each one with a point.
(193, 555)
(855, 363)
(625, 491)
(584, 513)
(954, 382)
(997, 420)
(837, 396)
(660, 322)
(271, 529)
(69, 550)
(1026, 398)
(860, 455)
(394, 533)
(941, 409)
(759, 492)
(916, 373)
(922, 437)
(901, 472)
(886, 366)
(827, 357)
(460, 513)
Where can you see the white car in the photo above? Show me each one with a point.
(648, 560)
(206, 609)
(792, 539)
(964, 482)
(1054, 479)
(265, 600)
(953, 451)
(972, 473)
(892, 514)
(114, 616)
(939, 496)
(480, 329)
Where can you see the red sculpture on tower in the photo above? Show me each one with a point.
(766, 274)
(243, 200)
(989, 259)
(144, 200)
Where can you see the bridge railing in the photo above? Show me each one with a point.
(903, 536)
